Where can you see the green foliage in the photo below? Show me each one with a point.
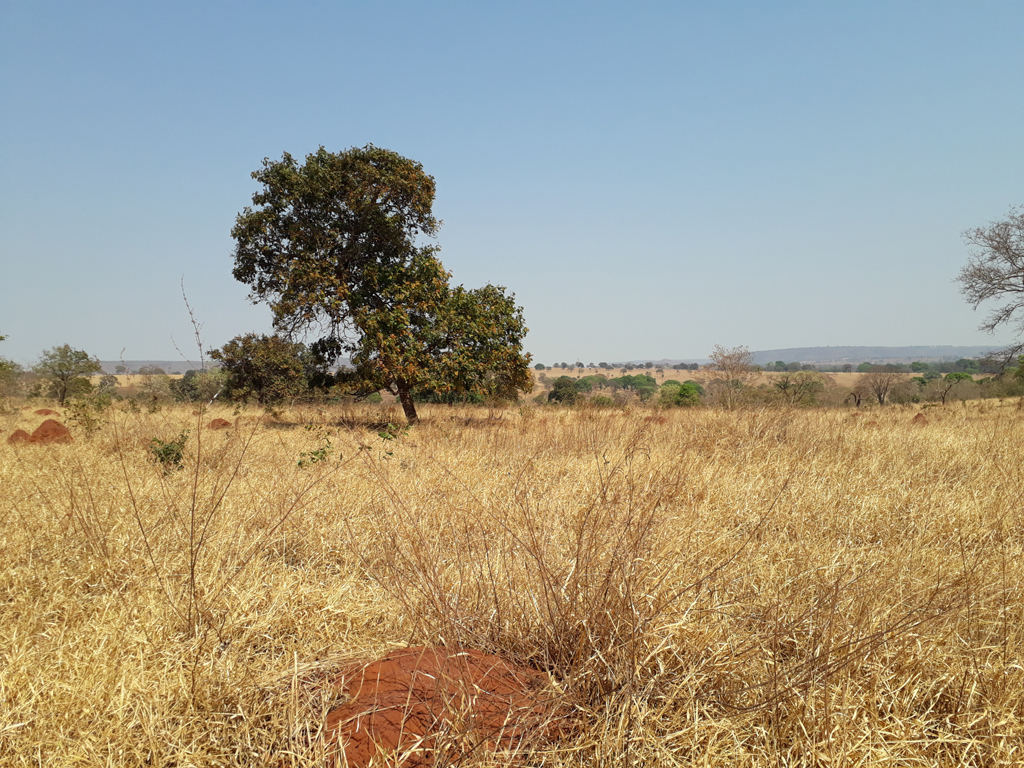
(9, 373)
(799, 387)
(87, 412)
(674, 393)
(446, 398)
(321, 453)
(267, 369)
(171, 453)
(564, 391)
(64, 369)
(590, 383)
(199, 386)
(645, 386)
(332, 244)
(390, 434)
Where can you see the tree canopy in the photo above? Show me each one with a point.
(9, 371)
(333, 246)
(266, 369)
(65, 369)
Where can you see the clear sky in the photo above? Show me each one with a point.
(649, 178)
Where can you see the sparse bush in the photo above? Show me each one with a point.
(87, 412)
(170, 454)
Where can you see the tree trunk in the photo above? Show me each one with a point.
(405, 396)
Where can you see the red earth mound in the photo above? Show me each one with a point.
(920, 420)
(51, 431)
(219, 424)
(434, 706)
(19, 436)
(46, 412)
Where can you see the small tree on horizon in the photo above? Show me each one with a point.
(65, 369)
(732, 367)
(879, 382)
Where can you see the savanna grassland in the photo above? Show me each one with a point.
(703, 587)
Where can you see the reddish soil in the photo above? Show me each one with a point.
(434, 706)
(46, 412)
(920, 420)
(51, 431)
(219, 424)
(19, 436)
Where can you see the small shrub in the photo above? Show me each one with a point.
(86, 412)
(170, 453)
(319, 454)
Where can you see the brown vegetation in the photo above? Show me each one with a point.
(745, 587)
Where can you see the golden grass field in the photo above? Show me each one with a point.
(704, 587)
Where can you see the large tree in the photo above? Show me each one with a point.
(995, 271)
(334, 247)
(65, 369)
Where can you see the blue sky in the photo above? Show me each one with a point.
(650, 179)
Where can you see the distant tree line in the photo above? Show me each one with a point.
(617, 366)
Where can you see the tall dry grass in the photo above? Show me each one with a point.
(704, 587)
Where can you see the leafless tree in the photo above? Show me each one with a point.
(732, 367)
(859, 392)
(996, 271)
(879, 383)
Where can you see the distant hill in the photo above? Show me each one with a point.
(822, 355)
(840, 355)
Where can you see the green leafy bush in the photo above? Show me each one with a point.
(564, 391)
(170, 453)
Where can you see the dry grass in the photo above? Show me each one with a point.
(755, 588)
